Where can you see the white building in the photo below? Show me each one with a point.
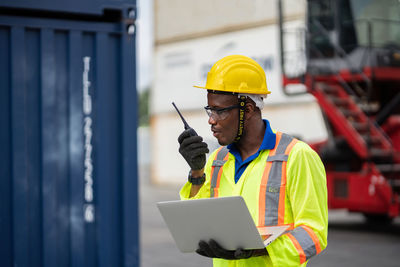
(190, 36)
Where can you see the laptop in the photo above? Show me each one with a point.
(225, 219)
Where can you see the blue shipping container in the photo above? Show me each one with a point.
(68, 116)
(80, 7)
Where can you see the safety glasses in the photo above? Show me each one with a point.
(219, 113)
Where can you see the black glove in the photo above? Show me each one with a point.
(193, 149)
(213, 250)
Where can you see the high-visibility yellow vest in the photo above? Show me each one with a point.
(282, 186)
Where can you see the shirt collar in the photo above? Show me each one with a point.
(267, 143)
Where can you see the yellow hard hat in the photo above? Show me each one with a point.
(237, 74)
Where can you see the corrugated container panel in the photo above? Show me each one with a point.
(68, 162)
(93, 7)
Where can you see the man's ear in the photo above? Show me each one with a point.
(250, 108)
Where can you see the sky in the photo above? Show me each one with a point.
(144, 41)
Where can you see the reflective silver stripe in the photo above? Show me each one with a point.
(278, 158)
(305, 241)
(218, 163)
(285, 141)
(274, 181)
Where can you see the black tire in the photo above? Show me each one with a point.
(378, 219)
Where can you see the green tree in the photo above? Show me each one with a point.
(144, 97)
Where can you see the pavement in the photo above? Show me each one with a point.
(351, 242)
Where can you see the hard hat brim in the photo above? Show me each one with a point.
(227, 91)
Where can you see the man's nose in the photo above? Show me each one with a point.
(211, 120)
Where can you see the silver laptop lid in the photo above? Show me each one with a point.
(226, 220)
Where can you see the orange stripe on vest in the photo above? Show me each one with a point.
(299, 249)
(313, 237)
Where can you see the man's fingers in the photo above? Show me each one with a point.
(205, 248)
(185, 134)
(190, 140)
(219, 251)
(193, 153)
(200, 152)
(182, 136)
(243, 254)
(213, 250)
(193, 149)
(194, 146)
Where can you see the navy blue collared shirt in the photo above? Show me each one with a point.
(267, 143)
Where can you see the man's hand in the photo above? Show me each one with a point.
(213, 250)
(193, 149)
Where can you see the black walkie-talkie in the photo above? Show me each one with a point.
(186, 125)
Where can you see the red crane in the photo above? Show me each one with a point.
(349, 54)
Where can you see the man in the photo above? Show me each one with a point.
(281, 179)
